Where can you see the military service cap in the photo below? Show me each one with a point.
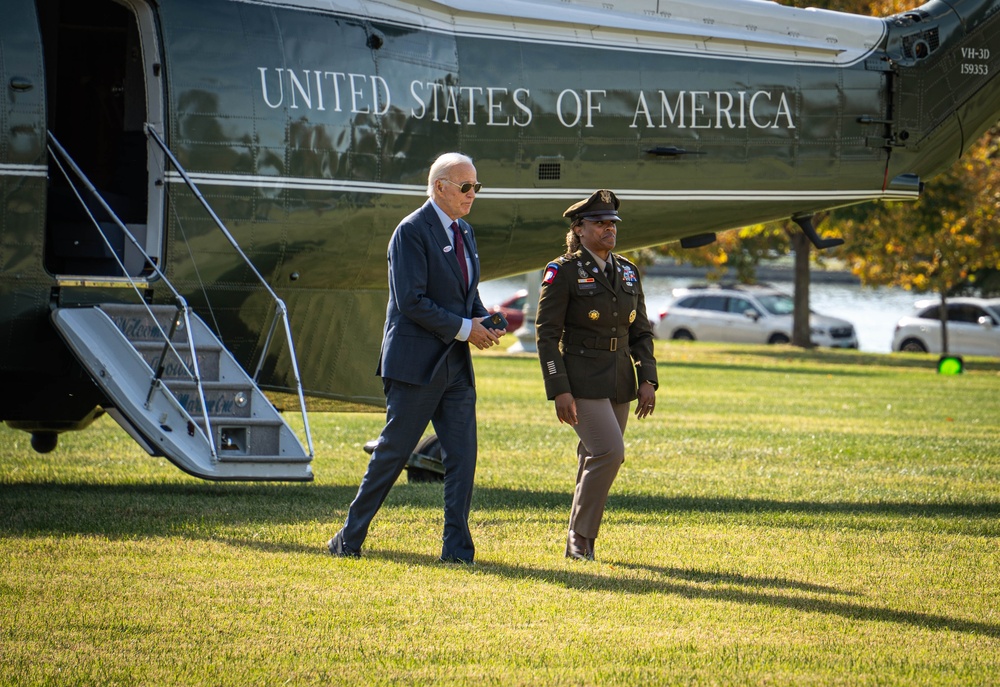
(602, 205)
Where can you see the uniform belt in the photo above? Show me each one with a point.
(601, 343)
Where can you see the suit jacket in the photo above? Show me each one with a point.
(427, 298)
(594, 339)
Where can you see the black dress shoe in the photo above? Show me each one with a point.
(455, 559)
(339, 549)
(578, 547)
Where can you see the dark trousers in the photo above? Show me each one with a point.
(449, 403)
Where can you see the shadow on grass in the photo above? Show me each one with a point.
(774, 357)
(155, 509)
(199, 510)
(725, 587)
(843, 371)
(926, 361)
(729, 588)
(716, 577)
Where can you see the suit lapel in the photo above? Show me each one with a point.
(441, 239)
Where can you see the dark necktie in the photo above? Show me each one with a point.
(460, 253)
(609, 272)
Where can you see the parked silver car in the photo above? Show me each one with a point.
(973, 327)
(745, 314)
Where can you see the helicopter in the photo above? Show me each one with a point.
(198, 194)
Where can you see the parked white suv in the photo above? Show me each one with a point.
(745, 314)
(973, 327)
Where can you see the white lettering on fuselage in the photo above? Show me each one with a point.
(690, 110)
(440, 103)
(322, 90)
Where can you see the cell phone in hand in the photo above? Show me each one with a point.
(495, 321)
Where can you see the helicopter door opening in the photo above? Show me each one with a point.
(102, 64)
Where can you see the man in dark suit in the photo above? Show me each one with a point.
(434, 313)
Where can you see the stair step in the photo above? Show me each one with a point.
(208, 360)
(242, 458)
(226, 402)
(135, 322)
(247, 440)
(181, 346)
(239, 421)
(250, 439)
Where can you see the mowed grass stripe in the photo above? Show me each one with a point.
(786, 517)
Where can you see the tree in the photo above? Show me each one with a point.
(944, 242)
(739, 250)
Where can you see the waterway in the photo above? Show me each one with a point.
(872, 311)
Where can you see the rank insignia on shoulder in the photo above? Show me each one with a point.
(551, 270)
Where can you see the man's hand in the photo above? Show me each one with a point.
(481, 337)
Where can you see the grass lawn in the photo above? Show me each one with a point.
(785, 518)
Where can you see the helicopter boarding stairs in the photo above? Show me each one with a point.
(175, 388)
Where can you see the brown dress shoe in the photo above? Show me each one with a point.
(578, 547)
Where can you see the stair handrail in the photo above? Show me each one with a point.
(57, 151)
(280, 308)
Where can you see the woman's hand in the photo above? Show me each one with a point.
(647, 400)
(566, 408)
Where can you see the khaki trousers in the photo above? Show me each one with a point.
(601, 452)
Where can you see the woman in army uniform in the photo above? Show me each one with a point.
(594, 343)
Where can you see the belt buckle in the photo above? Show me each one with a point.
(614, 344)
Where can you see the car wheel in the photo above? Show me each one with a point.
(913, 346)
(683, 335)
(778, 339)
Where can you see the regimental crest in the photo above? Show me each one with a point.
(593, 314)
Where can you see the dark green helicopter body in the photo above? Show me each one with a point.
(309, 128)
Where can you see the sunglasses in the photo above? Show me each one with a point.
(466, 187)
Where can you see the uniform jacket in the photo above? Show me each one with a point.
(427, 297)
(593, 336)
